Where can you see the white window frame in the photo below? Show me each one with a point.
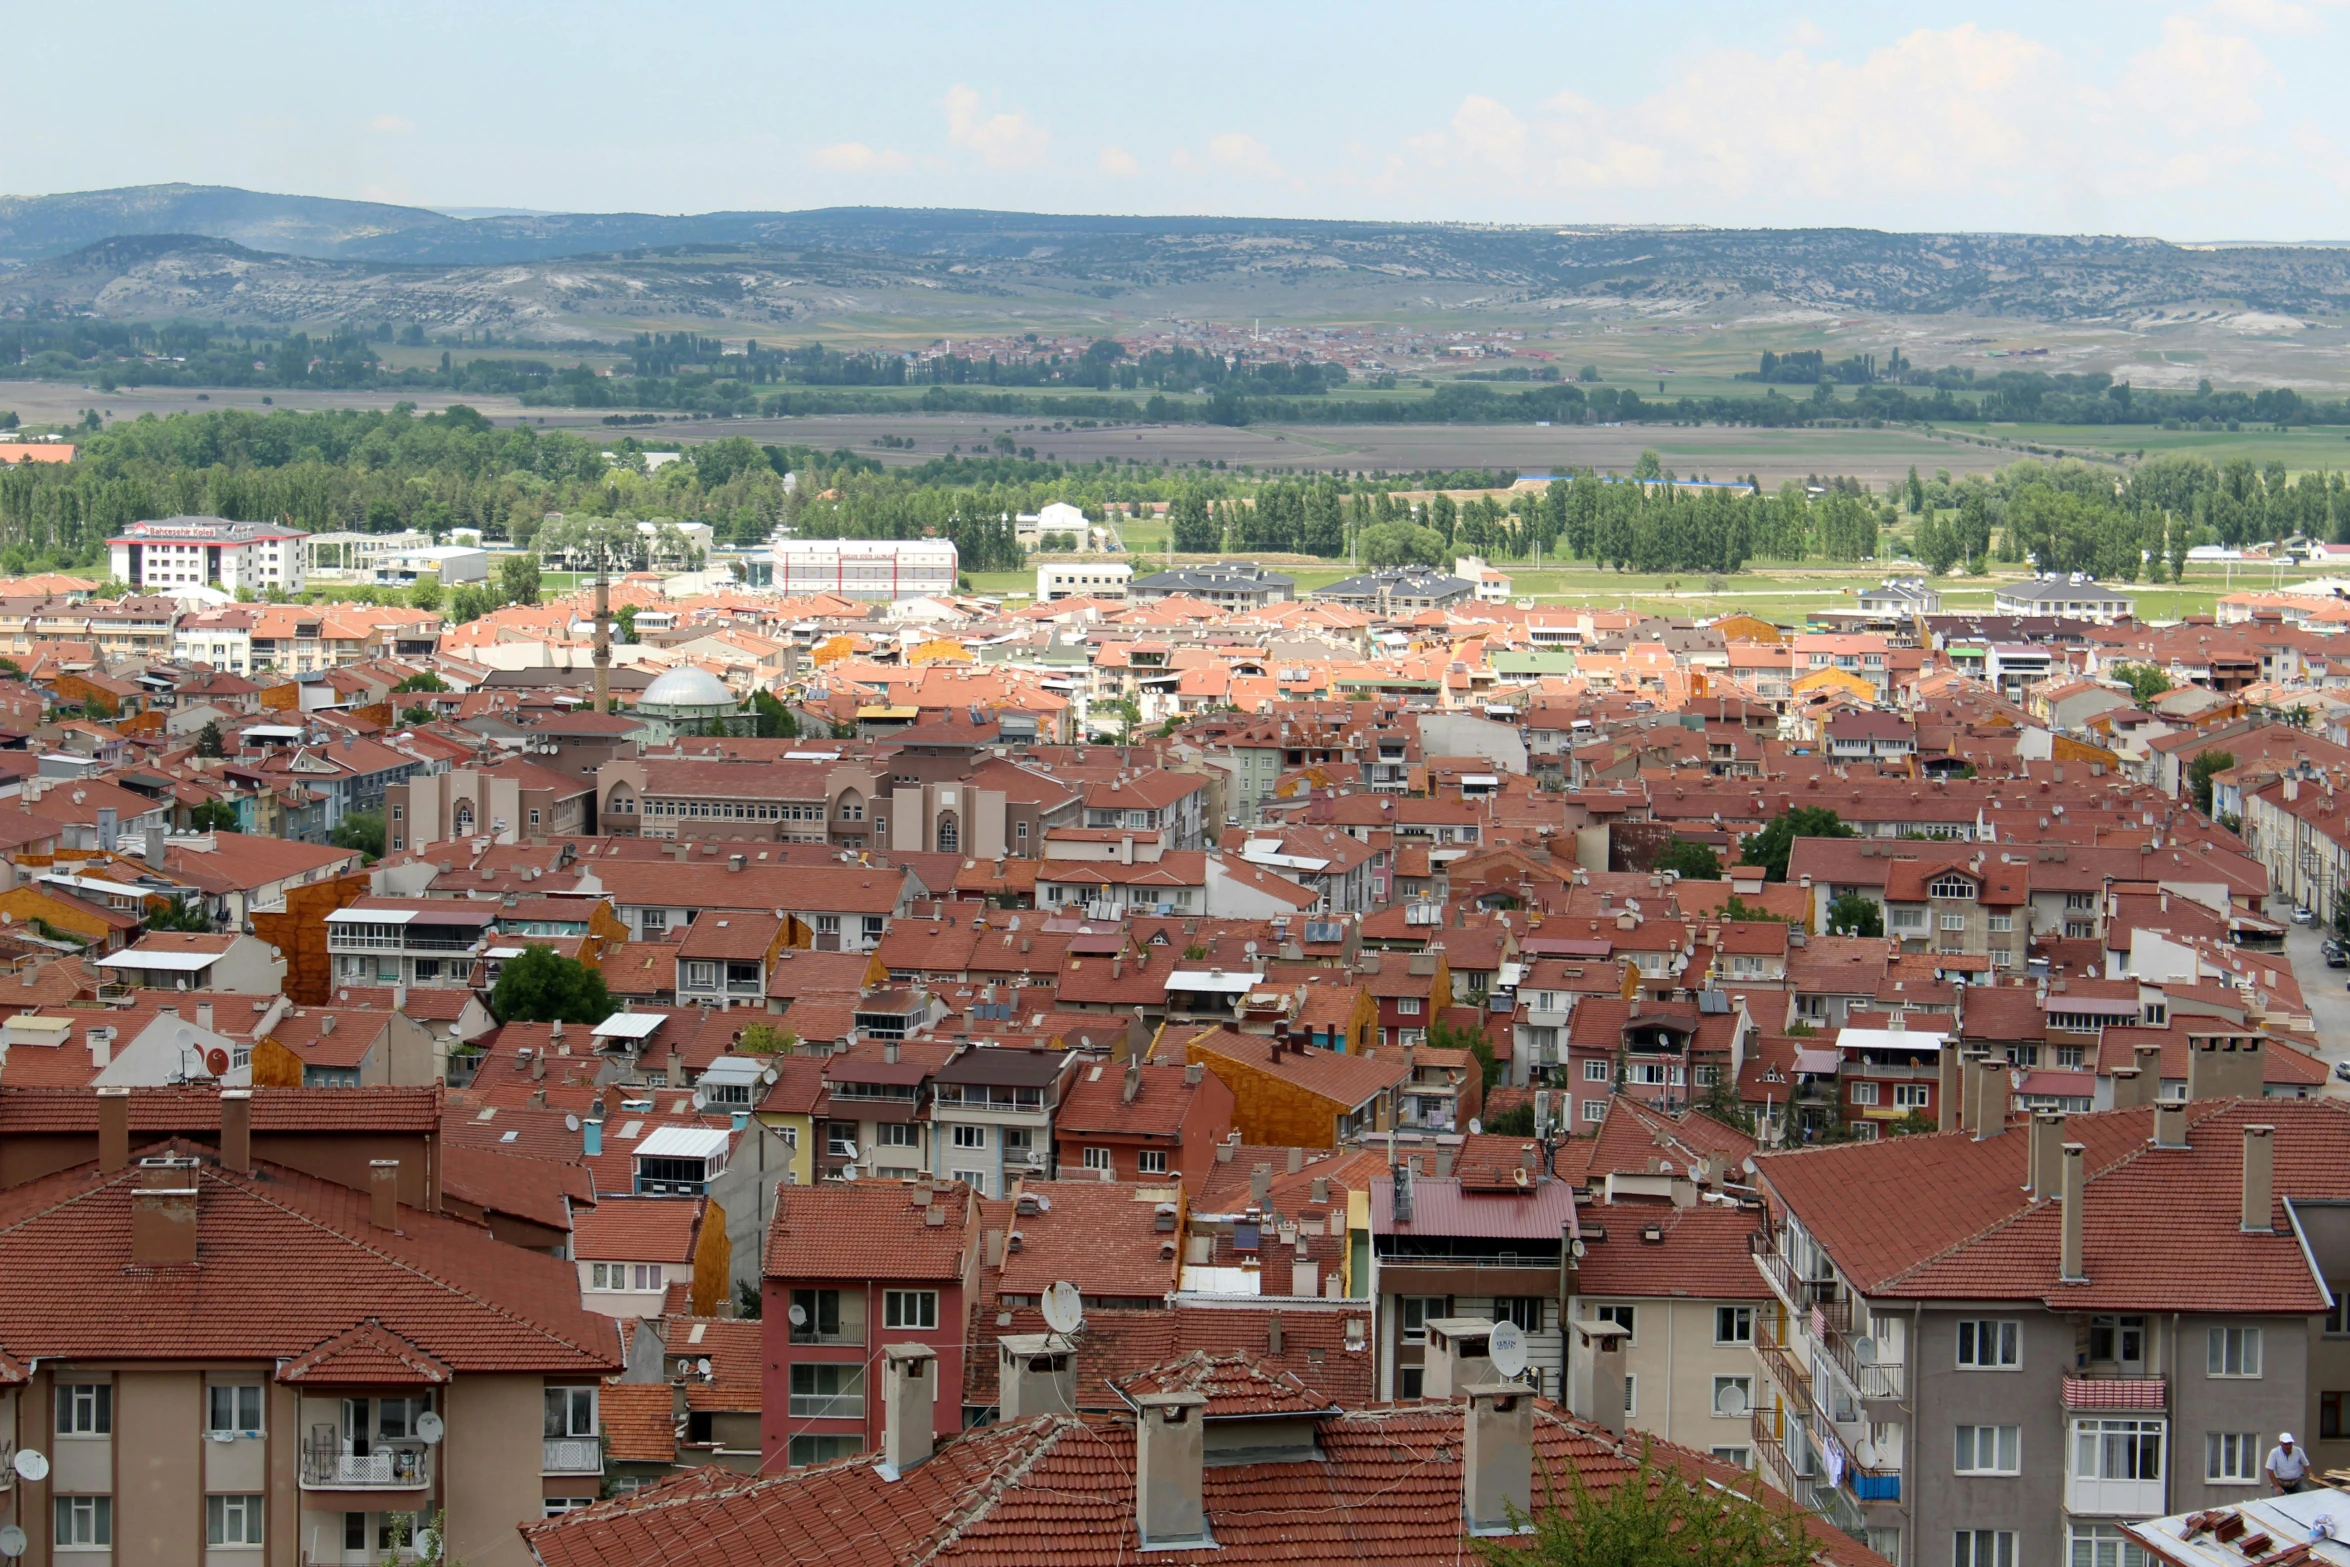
(1098, 1158)
(1743, 1386)
(2004, 1336)
(1739, 1319)
(1595, 1109)
(1987, 1450)
(1983, 1548)
(1151, 1161)
(2233, 1354)
(970, 1136)
(85, 1409)
(1623, 1316)
(2231, 1458)
(565, 1404)
(1595, 1071)
(84, 1523)
(240, 1398)
(232, 1521)
(910, 1311)
(1909, 1096)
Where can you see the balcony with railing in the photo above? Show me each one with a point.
(1797, 1292)
(2151, 1394)
(1768, 1427)
(388, 1466)
(572, 1455)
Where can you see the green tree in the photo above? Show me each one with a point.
(2144, 680)
(1516, 1121)
(417, 715)
(625, 616)
(775, 721)
(543, 986)
(1458, 1036)
(2200, 773)
(1650, 466)
(1770, 847)
(213, 816)
(361, 830)
(518, 579)
(208, 740)
(422, 680)
(179, 915)
(765, 1039)
(425, 594)
(1127, 712)
(1855, 914)
(1694, 861)
(1656, 1517)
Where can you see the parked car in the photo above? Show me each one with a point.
(2305, 916)
(2334, 955)
(2342, 1070)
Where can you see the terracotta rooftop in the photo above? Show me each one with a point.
(869, 1231)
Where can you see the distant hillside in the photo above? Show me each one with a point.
(235, 254)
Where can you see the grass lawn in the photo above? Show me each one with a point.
(2300, 450)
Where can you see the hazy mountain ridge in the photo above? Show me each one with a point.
(234, 254)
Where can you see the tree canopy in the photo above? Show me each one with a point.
(1770, 847)
(543, 986)
(1855, 914)
(1693, 861)
(1655, 1517)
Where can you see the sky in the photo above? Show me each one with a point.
(2220, 120)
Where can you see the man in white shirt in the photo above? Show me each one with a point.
(2288, 1466)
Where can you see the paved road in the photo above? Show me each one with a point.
(2329, 1002)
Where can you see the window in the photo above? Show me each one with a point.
(2104, 1545)
(1097, 1158)
(840, 1139)
(1733, 1324)
(1523, 1310)
(85, 1521)
(1742, 1457)
(2329, 1415)
(1953, 922)
(1733, 1397)
(909, 1308)
(1909, 1096)
(571, 1411)
(970, 1137)
(2118, 1339)
(1987, 1345)
(232, 1520)
(2002, 922)
(1909, 919)
(233, 1407)
(1631, 1395)
(1951, 887)
(2231, 1457)
(815, 1316)
(2235, 1352)
(1988, 1450)
(701, 976)
(1864, 1093)
(85, 1409)
(1983, 1548)
(1151, 1161)
(828, 1391)
(2117, 1449)
(1625, 1317)
(1417, 1309)
(1408, 1006)
(1594, 1109)
(894, 1134)
(806, 1450)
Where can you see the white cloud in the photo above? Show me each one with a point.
(854, 157)
(1118, 161)
(1238, 150)
(2269, 16)
(2198, 81)
(391, 123)
(1004, 141)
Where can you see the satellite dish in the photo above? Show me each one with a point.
(428, 1544)
(1866, 1451)
(1064, 1308)
(1864, 1350)
(430, 1428)
(1476, 1127)
(1506, 1346)
(799, 1316)
(571, 1123)
(703, 1365)
(768, 1077)
(216, 1061)
(32, 1464)
(699, 1100)
(1576, 1248)
(12, 1541)
(1044, 1204)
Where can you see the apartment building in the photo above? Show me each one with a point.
(423, 943)
(2065, 1327)
(848, 1270)
(192, 552)
(341, 1365)
(1976, 905)
(991, 1112)
(843, 908)
(1173, 805)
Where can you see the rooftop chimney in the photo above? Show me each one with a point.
(383, 1193)
(114, 1129)
(2170, 1123)
(909, 1403)
(1991, 1107)
(1459, 1355)
(204, 1016)
(1297, 1160)
(101, 1046)
(1598, 1374)
(1035, 1375)
(2128, 1092)
(2260, 1179)
(163, 1214)
(1260, 1184)
(591, 1138)
(236, 1129)
(2073, 1270)
(676, 1073)
(2047, 1158)
(1949, 1095)
(1170, 1454)
(1497, 1457)
(155, 848)
(2226, 1066)
(1970, 1091)
(2149, 1059)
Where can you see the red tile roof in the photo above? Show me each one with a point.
(639, 1229)
(869, 1231)
(1701, 1252)
(1101, 1236)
